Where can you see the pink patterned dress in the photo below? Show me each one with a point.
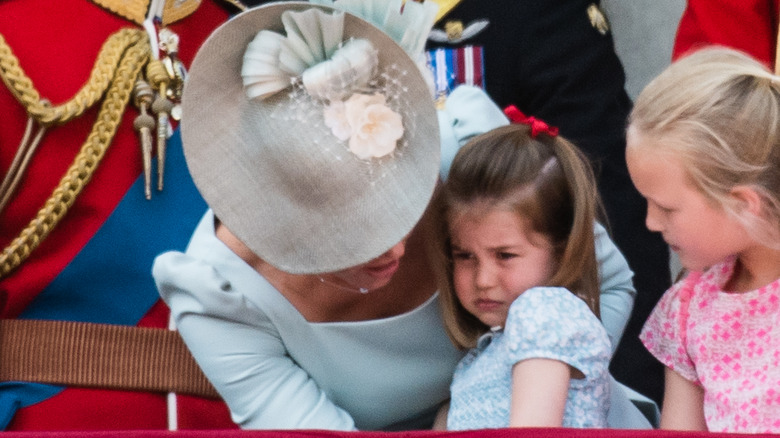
(729, 343)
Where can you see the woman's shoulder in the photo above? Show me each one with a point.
(209, 279)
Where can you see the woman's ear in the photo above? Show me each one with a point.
(748, 199)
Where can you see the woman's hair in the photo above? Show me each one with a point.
(719, 111)
(547, 181)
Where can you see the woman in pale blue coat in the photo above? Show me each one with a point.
(305, 293)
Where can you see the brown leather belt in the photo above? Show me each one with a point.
(99, 356)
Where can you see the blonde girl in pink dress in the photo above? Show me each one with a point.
(704, 149)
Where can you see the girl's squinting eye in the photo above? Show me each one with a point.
(461, 255)
(661, 208)
(502, 255)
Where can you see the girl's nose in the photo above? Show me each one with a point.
(485, 276)
(652, 220)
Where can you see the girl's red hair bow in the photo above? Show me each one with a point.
(537, 126)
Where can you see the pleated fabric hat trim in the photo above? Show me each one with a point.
(275, 173)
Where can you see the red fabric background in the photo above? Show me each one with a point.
(747, 25)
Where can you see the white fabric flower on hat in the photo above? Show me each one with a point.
(373, 129)
(336, 120)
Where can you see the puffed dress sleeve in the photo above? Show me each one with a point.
(237, 346)
(553, 323)
(664, 331)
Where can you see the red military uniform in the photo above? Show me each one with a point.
(747, 25)
(95, 266)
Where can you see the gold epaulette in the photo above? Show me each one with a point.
(445, 6)
(136, 10)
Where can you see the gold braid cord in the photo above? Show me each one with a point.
(119, 64)
(102, 73)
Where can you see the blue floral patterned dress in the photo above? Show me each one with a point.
(543, 322)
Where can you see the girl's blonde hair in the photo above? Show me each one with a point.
(547, 181)
(719, 111)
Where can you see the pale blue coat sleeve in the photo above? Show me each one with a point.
(617, 287)
(235, 343)
(241, 352)
(470, 112)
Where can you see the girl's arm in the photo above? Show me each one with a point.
(683, 407)
(539, 390)
(440, 422)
